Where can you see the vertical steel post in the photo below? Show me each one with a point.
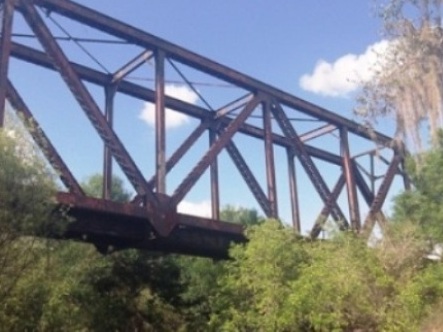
(354, 212)
(406, 179)
(306, 161)
(270, 162)
(221, 142)
(160, 122)
(293, 191)
(215, 190)
(107, 156)
(7, 10)
(372, 171)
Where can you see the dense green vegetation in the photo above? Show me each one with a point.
(276, 282)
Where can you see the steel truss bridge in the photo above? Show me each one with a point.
(275, 119)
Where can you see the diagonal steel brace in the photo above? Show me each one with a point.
(86, 101)
(306, 162)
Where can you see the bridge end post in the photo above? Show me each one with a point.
(6, 17)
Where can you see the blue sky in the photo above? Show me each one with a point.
(316, 50)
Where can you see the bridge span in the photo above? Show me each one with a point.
(300, 144)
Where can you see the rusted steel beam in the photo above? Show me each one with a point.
(190, 84)
(148, 41)
(132, 65)
(180, 152)
(131, 210)
(295, 211)
(250, 179)
(306, 161)
(86, 101)
(213, 151)
(43, 141)
(106, 223)
(373, 151)
(323, 216)
(354, 212)
(160, 123)
(107, 157)
(372, 172)
(233, 105)
(7, 14)
(402, 151)
(183, 148)
(312, 134)
(213, 173)
(36, 57)
(366, 192)
(381, 194)
(269, 157)
(406, 179)
(400, 170)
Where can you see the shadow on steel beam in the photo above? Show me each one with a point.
(116, 226)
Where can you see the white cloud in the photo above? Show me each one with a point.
(173, 119)
(201, 209)
(345, 74)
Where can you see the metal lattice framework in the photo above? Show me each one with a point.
(151, 220)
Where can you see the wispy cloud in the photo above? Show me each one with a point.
(173, 119)
(344, 75)
(201, 209)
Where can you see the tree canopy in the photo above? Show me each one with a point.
(423, 204)
(93, 186)
(26, 208)
(407, 80)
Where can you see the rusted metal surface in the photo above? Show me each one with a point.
(312, 134)
(295, 210)
(93, 76)
(215, 190)
(40, 138)
(269, 158)
(85, 100)
(132, 65)
(146, 40)
(160, 122)
(348, 171)
(120, 226)
(367, 193)
(151, 220)
(306, 161)
(380, 197)
(327, 209)
(249, 178)
(213, 151)
(7, 12)
(107, 158)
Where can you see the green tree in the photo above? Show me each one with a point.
(141, 289)
(131, 291)
(280, 282)
(254, 290)
(200, 276)
(240, 215)
(93, 186)
(26, 207)
(423, 204)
